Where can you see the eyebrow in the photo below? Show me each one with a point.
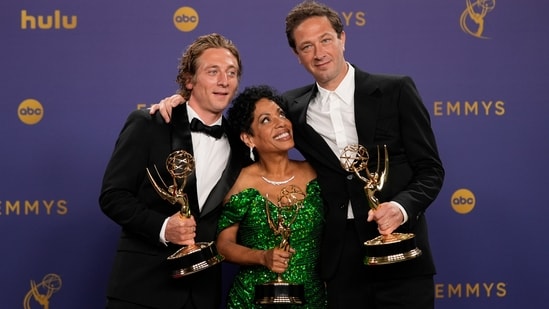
(217, 66)
(278, 110)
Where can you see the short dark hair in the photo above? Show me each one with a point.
(305, 10)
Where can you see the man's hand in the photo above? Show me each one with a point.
(166, 105)
(180, 230)
(387, 216)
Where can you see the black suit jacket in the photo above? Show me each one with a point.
(388, 111)
(140, 273)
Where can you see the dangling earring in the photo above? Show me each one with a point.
(252, 157)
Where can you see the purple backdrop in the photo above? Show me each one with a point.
(71, 71)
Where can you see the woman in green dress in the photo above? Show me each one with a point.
(253, 231)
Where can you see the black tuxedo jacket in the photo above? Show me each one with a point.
(388, 111)
(140, 273)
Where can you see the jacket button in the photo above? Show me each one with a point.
(350, 177)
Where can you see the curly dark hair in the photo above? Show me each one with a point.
(241, 113)
(188, 64)
(305, 10)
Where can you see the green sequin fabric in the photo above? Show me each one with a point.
(248, 209)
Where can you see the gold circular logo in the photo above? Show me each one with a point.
(463, 201)
(30, 111)
(185, 19)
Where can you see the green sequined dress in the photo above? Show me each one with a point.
(248, 209)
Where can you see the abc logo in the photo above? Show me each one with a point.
(185, 19)
(463, 201)
(30, 111)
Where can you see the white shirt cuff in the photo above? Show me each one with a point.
(163, 232)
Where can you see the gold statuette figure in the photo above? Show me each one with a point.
(384, 249)
(279, 291)
(193, 258)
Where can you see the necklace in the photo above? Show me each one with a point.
(277, 183)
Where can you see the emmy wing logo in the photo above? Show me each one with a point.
(472, 18)
(41, 293)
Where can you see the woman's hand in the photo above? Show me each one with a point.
(166, 105)
(277, 259)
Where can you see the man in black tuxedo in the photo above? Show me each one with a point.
(346, 106)
(152, 228)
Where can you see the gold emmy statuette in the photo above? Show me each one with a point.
(384, 249)
(279, 291)
(201, 255)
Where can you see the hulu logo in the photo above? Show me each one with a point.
(55, 21)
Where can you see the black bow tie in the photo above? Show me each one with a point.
(214, 131)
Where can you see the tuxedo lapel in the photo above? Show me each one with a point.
(367, 104)
(181, 139)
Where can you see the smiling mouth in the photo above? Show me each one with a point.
(220, 93)
(282, 135)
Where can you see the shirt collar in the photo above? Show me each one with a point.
(345, 90)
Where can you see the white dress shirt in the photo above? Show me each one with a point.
(332, 115)
(210, 158)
